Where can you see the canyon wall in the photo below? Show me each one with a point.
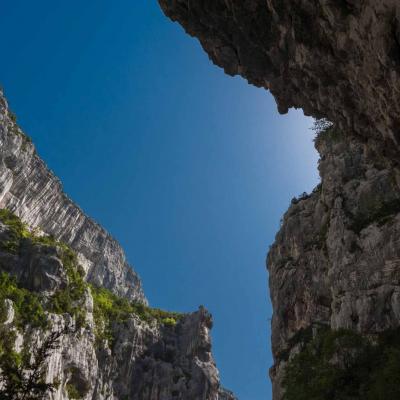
(35, 194)
(335, 263)
(73, 314)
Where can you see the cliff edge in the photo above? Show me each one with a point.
(30, 190)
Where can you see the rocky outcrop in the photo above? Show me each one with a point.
(334, 59)
(336, 258)
(72, 311)
(33, 192)
(335, 261)
(138, 359)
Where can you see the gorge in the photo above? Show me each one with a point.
(334, 265)
(74, 319)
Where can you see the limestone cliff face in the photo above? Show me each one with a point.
(141, 360)
(336, 258)
(30, 190)
(71, 280)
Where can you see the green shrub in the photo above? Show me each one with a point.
(12, 116)
(66, 300)
(17, 231)
(72, 391)
(338, 365)
(379, 213)
(23, 373)
(69, 299)
(27, 305)
(109, 309)
(169, 321)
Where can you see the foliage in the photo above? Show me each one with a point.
(23, 374)
(73, 392)
(66, 300)
(169, 321)
(18, 231)
(27, 305)
(339, 365)
(76, 387)
(379, 213)
(12, 116)
(110, 309)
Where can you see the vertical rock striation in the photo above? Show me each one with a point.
(30, 190)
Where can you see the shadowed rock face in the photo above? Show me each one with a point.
(334, 59)
(335, 260)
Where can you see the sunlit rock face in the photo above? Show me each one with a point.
(335, 260)
(34, 193)
(145, 360)
(130, 357)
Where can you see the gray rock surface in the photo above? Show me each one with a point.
(336, 258)
(34, 193)
(334, 59)
(147, 359)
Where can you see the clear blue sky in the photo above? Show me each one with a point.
(189, 169)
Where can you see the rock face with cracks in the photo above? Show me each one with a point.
(34, 193)
(62, 274)
(334, 59)
(335, 260)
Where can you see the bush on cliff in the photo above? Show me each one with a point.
(340, 365)
(110, 309)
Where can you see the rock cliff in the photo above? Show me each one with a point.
(31, 191)
(74, 321)
(336, 258)
(334, 59)
(334, 267)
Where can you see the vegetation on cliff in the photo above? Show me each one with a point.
(67, 299)
(110, 309)
(26, 312)
(28, 309)
(338, 365)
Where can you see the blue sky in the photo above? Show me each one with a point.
(191, 170)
